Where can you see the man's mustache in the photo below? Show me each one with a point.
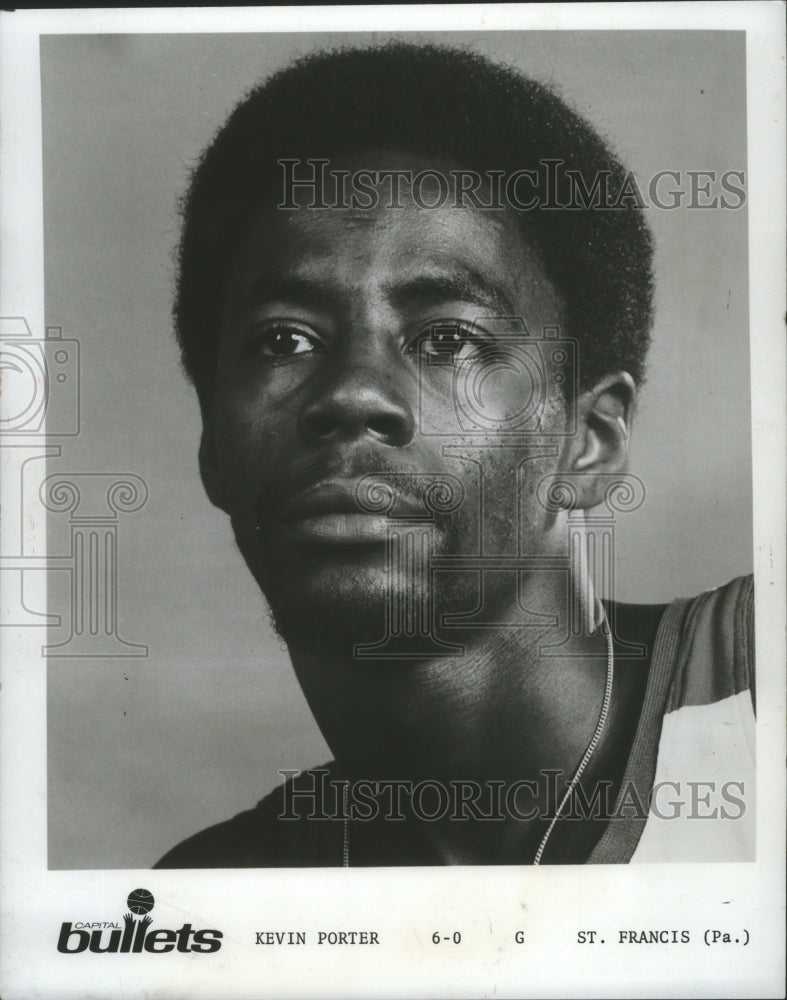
(377, 487)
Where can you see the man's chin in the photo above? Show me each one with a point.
(333, 599)
(332, 628)
(333, 615)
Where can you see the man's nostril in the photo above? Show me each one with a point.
(321, 424)
(385, 426)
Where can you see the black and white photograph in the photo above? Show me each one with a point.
(393, 499)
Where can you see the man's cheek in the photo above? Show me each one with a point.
(246, 444)
(241, 487)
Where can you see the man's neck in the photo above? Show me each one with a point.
(506, 711)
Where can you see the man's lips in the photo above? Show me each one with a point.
(329, 513)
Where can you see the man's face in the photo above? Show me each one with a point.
(347, 336)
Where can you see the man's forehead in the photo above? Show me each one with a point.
(390, 178)
(405, 251)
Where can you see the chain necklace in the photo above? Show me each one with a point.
(591, 748)
(594, 742)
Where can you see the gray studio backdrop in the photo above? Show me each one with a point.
(145, 750)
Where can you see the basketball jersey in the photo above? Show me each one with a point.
(687, 792)
(694, 751)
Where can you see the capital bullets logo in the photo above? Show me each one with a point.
(135, 936)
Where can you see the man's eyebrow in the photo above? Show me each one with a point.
(291, 288)
(431, 288)
(463, 285)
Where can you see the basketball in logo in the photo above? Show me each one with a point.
(140, 901)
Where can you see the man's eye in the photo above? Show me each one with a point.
(453, 343)
(284, 340)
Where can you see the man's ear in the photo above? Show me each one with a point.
(210, 467)
(601, 443)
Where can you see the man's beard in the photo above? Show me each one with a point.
(331, 619)
(363, 606)
(337, 597)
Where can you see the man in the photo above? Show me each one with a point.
(415, 302)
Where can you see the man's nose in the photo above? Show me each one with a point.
(361, 400)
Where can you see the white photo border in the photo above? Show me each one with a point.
(488, 905)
